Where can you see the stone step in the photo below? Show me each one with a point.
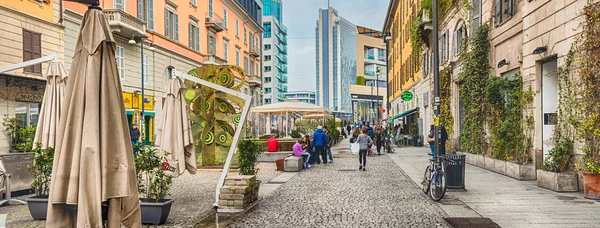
(235, 189)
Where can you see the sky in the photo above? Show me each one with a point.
(300, 17)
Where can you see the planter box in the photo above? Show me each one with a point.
(155, 213)
(558, 182)
(520, 172)
(490, 163)
(38, 207)
(480, 161)
(238, 194)
(499, 166)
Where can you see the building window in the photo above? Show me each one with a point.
(171, 24)
(237, 56)
(193, 2)
(120, 56)
(425, 64)
(212, 44)
(170, 72)
(194, 36)
(268, 90)
(504, 10)
(225, 17)
(225, 50)
(32, 49)
(245, 36)
(444, 46)
(27, 113)
(268, 101)
(475, 14)
(120, 4)
(267, 28)
(146, 70)
(210, 8)
(267, 79)
(252, 67)
(246, 64)
(267, 47)
(267, 68)
(145, 10)
(237, 28)
(460, 36)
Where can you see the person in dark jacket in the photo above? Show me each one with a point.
(134, 134)
(319, 143)
(379, 140)
(348, 129)
(329, 143)
(442, 140)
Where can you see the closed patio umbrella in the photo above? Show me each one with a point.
(93, 161)
(45, 133)
(175, 135)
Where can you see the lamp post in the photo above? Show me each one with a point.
(143, 120)
(387, 75)
(436, 78)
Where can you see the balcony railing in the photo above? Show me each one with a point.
(284, 78)
(255, 51)
(284, 39)
(124, 24)
(212, 58)
(214, 22)
(254, 80)
(283, 29)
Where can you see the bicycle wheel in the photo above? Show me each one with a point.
(426, 180)
(437, 187)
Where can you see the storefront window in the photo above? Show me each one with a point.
(28, 113)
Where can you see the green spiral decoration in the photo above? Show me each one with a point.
(236, 118)
(223, 107)
(225, 78)
(206, 105)
(222, 137)
(193, 73)
(210, 138)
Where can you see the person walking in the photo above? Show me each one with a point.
(134, 134)
(348, 129)
(364, 141)
(319, 142)
(329, 143)
(379, 140)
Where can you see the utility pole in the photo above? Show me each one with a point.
(436, 78)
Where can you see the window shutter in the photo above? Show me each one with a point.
(46, 1)
(197, 38)
(176, 25)
(510, 9)
(140, 9)
(192, 45)
(36, 51)
(27, 52)
(440, 47)
(151, 14)
(455, 42)
(498, 12)
(167, 23)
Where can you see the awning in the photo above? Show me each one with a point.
(409, 112)
(146, 113)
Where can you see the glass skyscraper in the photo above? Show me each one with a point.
(335, 49)
(274, 52)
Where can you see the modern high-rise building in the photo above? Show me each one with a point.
(335, 60)
(302, 96)
(274, 52)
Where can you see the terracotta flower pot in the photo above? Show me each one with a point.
(591, 186)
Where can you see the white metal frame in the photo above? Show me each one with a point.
(48, 58)
(238, 131)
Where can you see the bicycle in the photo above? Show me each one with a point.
(389, 148)
(434, 178)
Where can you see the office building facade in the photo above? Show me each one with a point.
(302, 96)
(274, 53)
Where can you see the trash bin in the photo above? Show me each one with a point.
(280, 164)
(455, 171)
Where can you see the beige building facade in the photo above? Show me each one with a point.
(28, 30)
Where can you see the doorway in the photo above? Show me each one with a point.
(549, 104)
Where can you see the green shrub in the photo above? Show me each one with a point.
(360, 80)
(560, 156)
(41, 170)
(249, 151)
(153, 183)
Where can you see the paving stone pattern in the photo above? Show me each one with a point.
(193, 194)
(338, 195)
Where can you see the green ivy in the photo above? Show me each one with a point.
(446, 118)
(473, 82)
(559, 158)
(415, 37)
(443, 6)
(510, 131)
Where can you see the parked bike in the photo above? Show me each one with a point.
(434, 178)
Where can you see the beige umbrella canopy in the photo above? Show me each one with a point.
(175, 135)
(45, 133)
(93, 161)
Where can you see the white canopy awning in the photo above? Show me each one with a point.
(290, 106)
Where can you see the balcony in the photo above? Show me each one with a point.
(284, 39)
(124, 24)
(284, 78)
(426, 26)
(254, 81)
(214, 22)
(254, 51)
(284, 59)
(212, 58)
(281, 97)
(283, 29)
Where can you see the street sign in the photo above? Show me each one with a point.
(406, 96)
(381, 110)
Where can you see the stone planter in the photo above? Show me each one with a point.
(558, 182)
(155, 213)
(480, 161)
(238, 193)
(490, 163)
(499, 166)
(591, 186)
(38, 207)
(520, 172)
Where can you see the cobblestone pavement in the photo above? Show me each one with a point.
(193, 194)
(338, 195)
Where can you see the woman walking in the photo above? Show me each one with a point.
(365, 142)
(379, 140)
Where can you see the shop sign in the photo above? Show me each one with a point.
(133, 101)
(30, 97)
(406, 96)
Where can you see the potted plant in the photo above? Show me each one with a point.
(153, 186)
(41, 171)
(11, 125)
(414, 132)
(248, 153)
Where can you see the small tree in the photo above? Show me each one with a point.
(248, 153)
(41, 169)
(12, 125)
(153, 183)
(360, 80)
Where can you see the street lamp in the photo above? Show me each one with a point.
(436, 78)
(142, 125)
(387, 75)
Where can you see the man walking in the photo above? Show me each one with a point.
(134, 133)
(319, 142)
(329, 143)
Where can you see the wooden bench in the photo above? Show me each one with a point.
(293, 164)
